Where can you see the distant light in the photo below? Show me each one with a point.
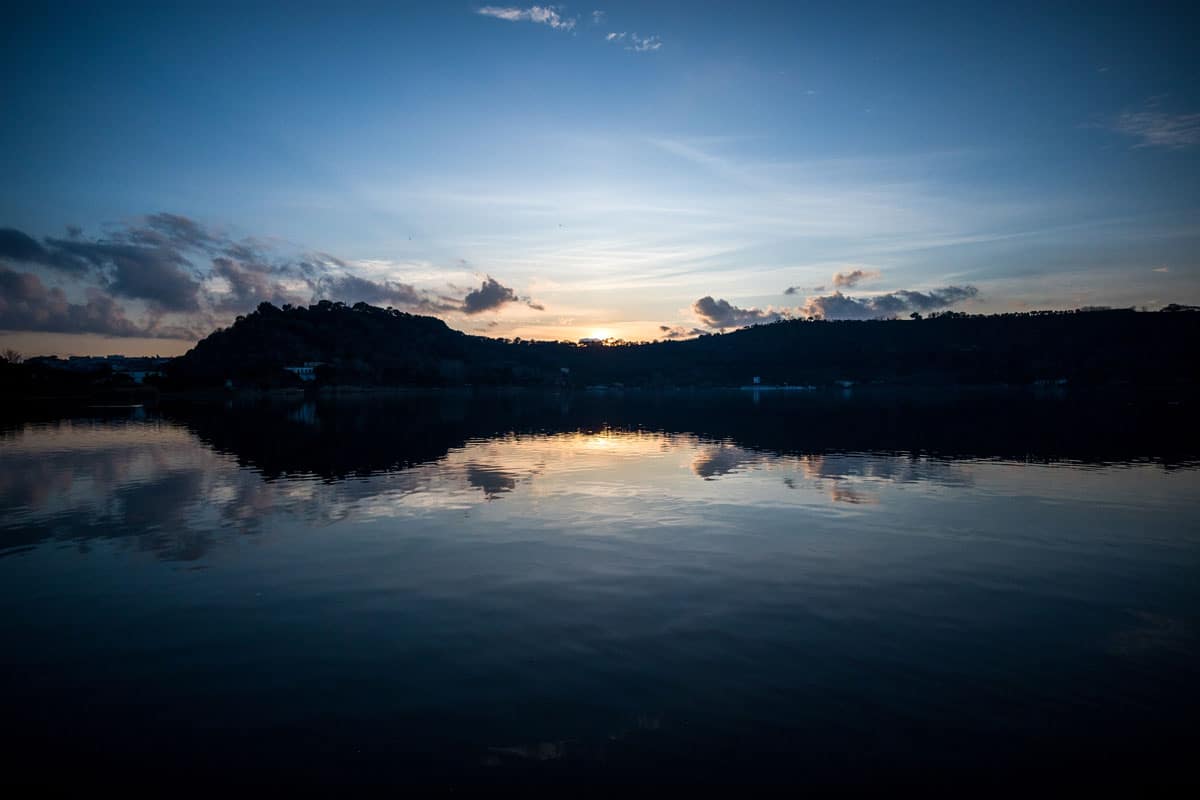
(601, 334)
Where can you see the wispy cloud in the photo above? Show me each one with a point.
(1160, 129)
(543, 15)
(598, 17)
(644, 44)
(635, 43)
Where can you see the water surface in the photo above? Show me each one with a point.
(467, 588)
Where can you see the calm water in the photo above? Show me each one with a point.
(487, 588)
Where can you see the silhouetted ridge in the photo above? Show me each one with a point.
(366, 345)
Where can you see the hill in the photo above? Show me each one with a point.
(367, 345)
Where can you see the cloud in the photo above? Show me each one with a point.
(637, 44)
(192, 277)
(177, 232)
(598, 17)
(164, 228)
(1161, 269)
(853, 277)
(489, 296)
(353, 289)
(1160, 129)
(155, 273)
(800, 289)
(19, 247)
(721, 314)
(839, 306)
(26, 304)
(678, 332)
(644, 44)
(144, 262)
(251, 283)
(543, 15)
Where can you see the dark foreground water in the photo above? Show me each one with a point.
(974, 590)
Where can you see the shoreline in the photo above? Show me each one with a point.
(151, 398)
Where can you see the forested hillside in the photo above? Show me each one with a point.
(367, 345)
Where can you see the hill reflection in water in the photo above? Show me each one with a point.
(479, 586)
(178, 482)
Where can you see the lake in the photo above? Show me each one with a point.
(837, 588)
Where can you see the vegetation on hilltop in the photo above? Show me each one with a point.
(371, 346)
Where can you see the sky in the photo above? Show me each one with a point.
(639, 170)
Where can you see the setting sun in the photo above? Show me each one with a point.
(601, 334)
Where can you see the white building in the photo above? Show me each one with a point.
(307, 372)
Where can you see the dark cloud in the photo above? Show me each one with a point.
(166, 260)
(491, 295)
(184, 231)
(146, 267)
(158, 274)
(843, 280)
(669, 332)
(721, 314)
(839, 306)
(799, 289)
(353, 289)
(147, 261)
(175, 230)
(245, 250)
(251, 283)
(26, 304)
(172, 231)
(19, 247)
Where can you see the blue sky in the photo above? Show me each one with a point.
(585, 172)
